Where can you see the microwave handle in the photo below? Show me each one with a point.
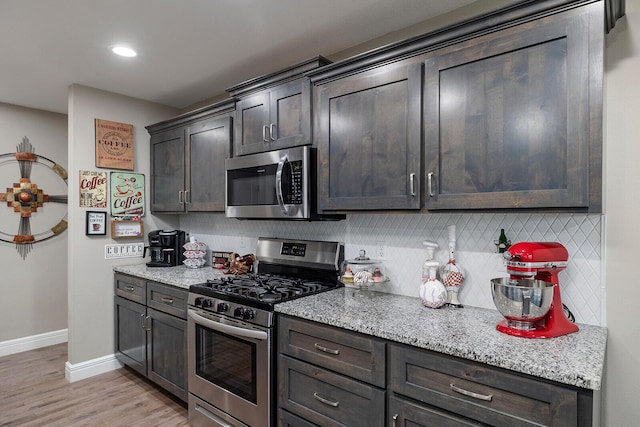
(279, 196)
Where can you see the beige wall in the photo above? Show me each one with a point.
(622, 229)
(34, 290)
(90, 284)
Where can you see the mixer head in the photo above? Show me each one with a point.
(542, 260)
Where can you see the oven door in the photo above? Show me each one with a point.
(229, 371)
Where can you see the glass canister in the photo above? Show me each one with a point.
(362, 272)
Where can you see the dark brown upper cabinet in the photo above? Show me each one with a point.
(187, 160)
(367, 130)
(513, 118)
(274, 111)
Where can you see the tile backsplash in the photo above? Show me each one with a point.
(401, 236)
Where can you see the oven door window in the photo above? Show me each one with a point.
(227, 361)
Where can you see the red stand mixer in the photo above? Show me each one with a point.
(536, 263)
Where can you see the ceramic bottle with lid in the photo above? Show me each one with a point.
(433, 294)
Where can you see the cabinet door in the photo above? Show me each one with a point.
(403, 413)
(507, 117)
(367, 128)
(209, 144)
(290, 114)
(168, 171)
(131, 334)
(167, 352)
(252, 124)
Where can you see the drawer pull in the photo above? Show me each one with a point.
(486, 397)
(167, 300)
(129, 288)
(326, 350)
(326, 401)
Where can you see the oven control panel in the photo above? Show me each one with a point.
(293, 249)
(231, 310)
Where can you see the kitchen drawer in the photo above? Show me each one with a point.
(326, 398)
(345, 352)
(130, 287)
(287, 419)
(404, 413)
(168, 299)
(479, 392)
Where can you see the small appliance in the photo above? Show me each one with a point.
(165, 248)
(530, 298)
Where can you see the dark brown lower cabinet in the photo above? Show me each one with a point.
(320, 383)
(150, 331)
(430, 386)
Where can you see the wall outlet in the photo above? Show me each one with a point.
(381, 250)
(242, 241)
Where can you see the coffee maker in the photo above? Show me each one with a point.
(165, 248)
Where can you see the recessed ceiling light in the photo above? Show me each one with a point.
(124, 51)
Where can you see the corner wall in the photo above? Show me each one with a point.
(90, 284)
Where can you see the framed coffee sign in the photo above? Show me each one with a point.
(96, 224)
(114, 145)
(127, 194)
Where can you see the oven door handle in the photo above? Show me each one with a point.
(279, 192)
(231, 330)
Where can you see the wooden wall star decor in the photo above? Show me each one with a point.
(25, 198)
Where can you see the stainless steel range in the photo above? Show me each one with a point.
(231, 330)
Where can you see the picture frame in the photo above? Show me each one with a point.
(96, 223)
(127, 195)
(114, 145)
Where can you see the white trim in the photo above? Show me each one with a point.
(82, 370)
(33, 342)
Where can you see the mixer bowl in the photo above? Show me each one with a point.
(522, 300)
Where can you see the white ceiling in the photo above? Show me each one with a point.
(188, 50)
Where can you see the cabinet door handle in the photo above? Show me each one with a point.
(273, 131)
(129, 288)
(167, 300)
(326, 350)
(187, 196)
(412, 184)
(485, 397)
(265, 129)
(430, 183)
(326, 401)
(142, 325)
(394, 418)
(147, 323)
(181, 197)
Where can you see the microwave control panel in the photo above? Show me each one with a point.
(295, 184)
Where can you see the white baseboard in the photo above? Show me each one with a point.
(33, 342)
(82, 370)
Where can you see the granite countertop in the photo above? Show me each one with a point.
(576, 359)
(180, 276)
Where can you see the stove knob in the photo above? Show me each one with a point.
(206, 303)
(248, 314)
(198, 301)
(238, 312)
(222, 307)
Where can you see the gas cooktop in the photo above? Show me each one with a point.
(261, 289)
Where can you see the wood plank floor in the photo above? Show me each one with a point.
(34, 393)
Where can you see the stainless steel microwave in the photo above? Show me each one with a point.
(277, 184)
